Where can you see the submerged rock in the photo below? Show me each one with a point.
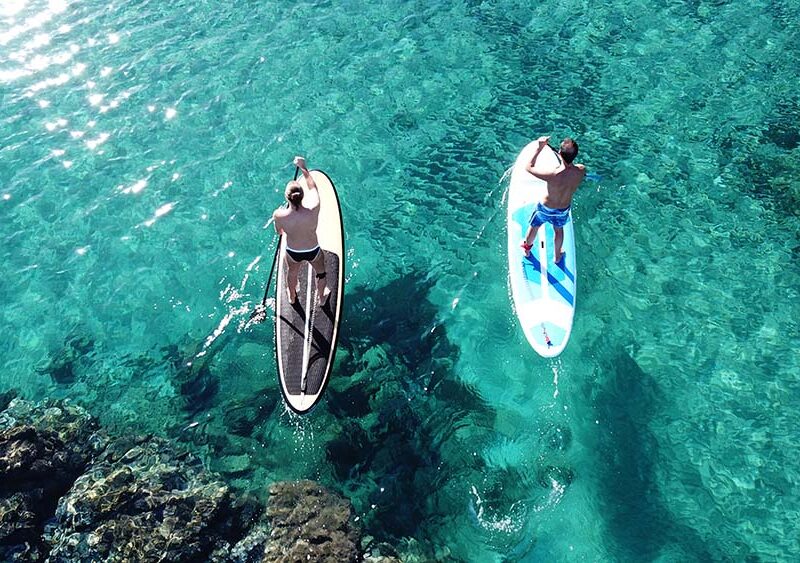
(309, 523)
(242, 417)
(39, 462)
(6, 397)
(62, 363)
(144, 503)
(71, 493)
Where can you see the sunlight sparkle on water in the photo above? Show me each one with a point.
(11, 8)
(160, 212)
(94, 143)
(59, 80)
(53, 125)
(136, 187)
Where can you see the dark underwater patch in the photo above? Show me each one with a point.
(635, 514)
(6, 397)
(63, 364)
(242, 416)
(398, 407)
(197, 384)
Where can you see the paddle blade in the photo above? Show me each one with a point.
(259, 315)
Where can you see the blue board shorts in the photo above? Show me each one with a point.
(543, 214)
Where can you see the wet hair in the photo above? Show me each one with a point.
(294, 193)
(569, 150)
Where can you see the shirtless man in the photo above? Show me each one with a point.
(298, 222)
(561, 186)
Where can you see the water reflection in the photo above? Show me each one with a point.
(137, 187)
(160, 212)
(54, 7)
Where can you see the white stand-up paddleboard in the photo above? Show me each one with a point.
(544, 292)
(306, 333)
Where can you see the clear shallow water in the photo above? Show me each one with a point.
(144, 145)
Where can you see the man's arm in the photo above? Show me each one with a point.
(531, 168)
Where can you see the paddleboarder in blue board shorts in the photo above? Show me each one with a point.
(298, 223)
(562, 183)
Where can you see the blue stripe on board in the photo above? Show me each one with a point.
(554, 271)
(522, 217)
(532, 268)
(563, 267)
(560, 288)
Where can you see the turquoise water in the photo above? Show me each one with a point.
(145, 144)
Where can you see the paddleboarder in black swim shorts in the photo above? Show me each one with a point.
(562, 183)
(298, 223)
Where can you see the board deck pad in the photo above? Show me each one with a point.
(295, 334)
(543, 292)
(306, 332)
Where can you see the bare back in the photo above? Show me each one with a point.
(562, 182)
(299, 224)
(563, 185)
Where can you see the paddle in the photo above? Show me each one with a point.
(260, 313)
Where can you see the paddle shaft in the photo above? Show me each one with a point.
(275, 258)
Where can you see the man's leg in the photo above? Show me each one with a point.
(292, 269)
(529, 237)
(559, 240)
(531, 234)
(323, 291)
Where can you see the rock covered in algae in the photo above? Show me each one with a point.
(145, 503)
(43, 450)
(310, 523)
(71, 493)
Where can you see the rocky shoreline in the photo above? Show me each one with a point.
(71, 492)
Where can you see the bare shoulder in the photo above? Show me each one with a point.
(581, 167)
(280, 212)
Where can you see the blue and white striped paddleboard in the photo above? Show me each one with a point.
(543, 292)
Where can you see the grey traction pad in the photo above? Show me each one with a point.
(292, 324)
